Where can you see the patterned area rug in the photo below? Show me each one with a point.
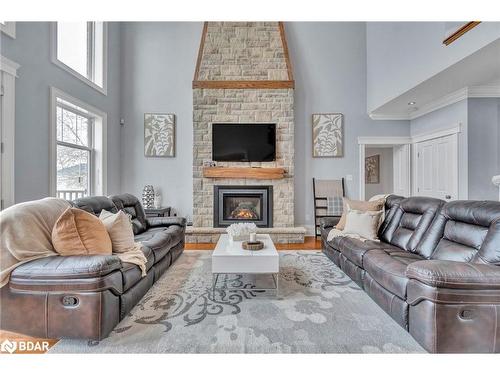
(318, 310)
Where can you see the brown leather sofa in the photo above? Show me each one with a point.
(86, 296)
(435, 271)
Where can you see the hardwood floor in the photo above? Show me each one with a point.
(310, 243)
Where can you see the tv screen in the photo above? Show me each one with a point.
(244, 142)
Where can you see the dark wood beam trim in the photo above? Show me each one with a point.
(243, 84)
(285, 49)
(457, 34)
(200, 51)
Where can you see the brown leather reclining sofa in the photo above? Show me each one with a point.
(86, 296)
(435, 271)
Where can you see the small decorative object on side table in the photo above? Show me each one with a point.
(157, 199)
(158, 212)
(252, 245)
(148, 196)
(241, 231)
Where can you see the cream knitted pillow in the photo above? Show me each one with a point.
(120, 230)
(363, 223)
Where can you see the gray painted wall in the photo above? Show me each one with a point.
(158, 61)
(329, 66)
(330, 72)
(31, 50)
(400, 55)
(386, 185)
(484, 147)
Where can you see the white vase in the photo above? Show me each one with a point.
(157, 201)
(240, 237)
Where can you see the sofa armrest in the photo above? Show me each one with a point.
(68, 267)
(455, 275)
(328, 222)
(154, 222)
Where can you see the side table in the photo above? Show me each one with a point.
(157, 212)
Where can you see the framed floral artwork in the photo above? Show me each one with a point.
(372, 169)
(159, 134)
(328, 135)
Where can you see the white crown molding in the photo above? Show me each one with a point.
(484, 92)
(444, 101)
(8, 66)
(382, 116)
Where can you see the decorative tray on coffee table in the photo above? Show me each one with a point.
(256, 245)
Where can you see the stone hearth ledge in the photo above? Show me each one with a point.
(278, 235)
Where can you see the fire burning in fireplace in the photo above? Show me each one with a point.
(244, 210)
(243, 214)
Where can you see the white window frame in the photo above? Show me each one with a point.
(8, 28)
(98, 163)
(8, 69)
(53, 56)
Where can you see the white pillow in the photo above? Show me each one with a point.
(363, 223)
(120, 231)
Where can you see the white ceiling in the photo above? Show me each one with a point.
(482, 68)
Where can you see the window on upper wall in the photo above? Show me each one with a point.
(78, 148)
(80, 49)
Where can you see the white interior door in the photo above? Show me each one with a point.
(401, 163)
(437, 168)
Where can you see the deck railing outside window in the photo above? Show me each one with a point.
(71, 194)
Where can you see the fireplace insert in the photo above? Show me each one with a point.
(236, 204)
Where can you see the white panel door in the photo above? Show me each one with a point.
(401, 166)
(437, 168)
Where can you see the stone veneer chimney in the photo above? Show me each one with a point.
(243, 75)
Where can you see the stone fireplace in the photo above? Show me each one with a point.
(243, 75)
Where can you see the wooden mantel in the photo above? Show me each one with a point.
(244, 172)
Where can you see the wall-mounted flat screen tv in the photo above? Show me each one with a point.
(244, 142)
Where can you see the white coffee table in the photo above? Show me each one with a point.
(229, 257)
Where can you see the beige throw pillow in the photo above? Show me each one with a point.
(359, 206)
(78, 232)
(120, 231)
(363, 223)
